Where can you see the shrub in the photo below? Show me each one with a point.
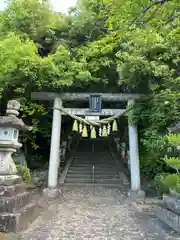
(165, 182)
(24, 172)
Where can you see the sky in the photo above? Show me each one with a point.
(62, 5)
(58, 5)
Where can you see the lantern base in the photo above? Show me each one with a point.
(16, 206)
(137, 196)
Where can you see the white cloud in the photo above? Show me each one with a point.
(2, 4)
(62, 5)
(58, 5)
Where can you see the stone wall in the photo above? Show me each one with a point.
(169, 211)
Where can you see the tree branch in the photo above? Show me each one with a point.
(146, 9)
(173, 15)
(153, 14)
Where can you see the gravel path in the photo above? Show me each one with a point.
(94, 214)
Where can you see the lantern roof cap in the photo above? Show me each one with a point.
(11, 119)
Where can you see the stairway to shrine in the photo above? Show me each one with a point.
(93, 163)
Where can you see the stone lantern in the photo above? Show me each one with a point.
(15, 206)
(10, 125)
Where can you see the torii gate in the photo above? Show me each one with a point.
(54, 162)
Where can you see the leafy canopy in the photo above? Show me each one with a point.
(101, 45)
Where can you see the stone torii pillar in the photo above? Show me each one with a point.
(135, 192)
(54, 162)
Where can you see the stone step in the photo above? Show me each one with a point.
(92, 164)
(96, 168)
(93, 160)
(100, 179)
(97, 176)
(168, 217)
(15, 222)
(81, 164)
(108, 181)
(89, 157)
(96, 173)
(90, 168)
(12, 190)
(12, 204)
(86, 180)
(112, 185)
(103, 152)
(89, 171)
(27, 215)
(95, 154)
(77, 164)
(78, 180)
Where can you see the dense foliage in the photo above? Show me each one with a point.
(101, 45)
(171, 182)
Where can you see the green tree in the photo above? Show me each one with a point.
(101, 45)
(30, 19)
